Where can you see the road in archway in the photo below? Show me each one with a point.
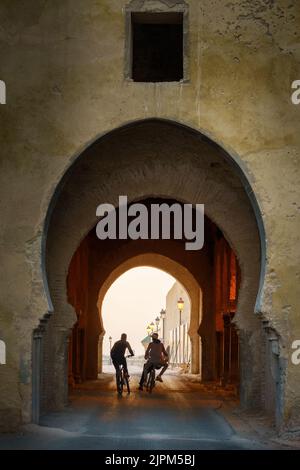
(177, 415)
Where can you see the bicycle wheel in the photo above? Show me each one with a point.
(119, 382)
(127, 383)
(148, 381)
(152, 380)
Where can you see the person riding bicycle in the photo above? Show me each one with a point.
(157, 357)
(117, 353)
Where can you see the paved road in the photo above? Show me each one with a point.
(179, 414)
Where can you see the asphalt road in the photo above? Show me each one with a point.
(177, 415)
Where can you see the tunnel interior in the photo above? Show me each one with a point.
(215, 269)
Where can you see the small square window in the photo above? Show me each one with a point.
(157, 47)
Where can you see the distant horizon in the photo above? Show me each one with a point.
(133, 301)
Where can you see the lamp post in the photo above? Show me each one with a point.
(180, 305)
(110, 340)
(152, 326)
(163, 316)
(157, 320)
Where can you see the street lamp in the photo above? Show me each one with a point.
(157, 320)
(110, 340)
(149, 329)
(180, 305)
(163, 316)
(152, 326)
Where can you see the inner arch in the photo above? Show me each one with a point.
(181, 274)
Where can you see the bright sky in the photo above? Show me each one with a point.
(133, 301)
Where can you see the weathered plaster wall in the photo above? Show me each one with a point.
(63, 64)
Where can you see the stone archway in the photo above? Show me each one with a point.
(180, 273)
(155, 158)
(95, 260)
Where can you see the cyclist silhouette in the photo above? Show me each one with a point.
(156, 356)
(117, 353)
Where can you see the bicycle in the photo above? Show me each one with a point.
(122, 379)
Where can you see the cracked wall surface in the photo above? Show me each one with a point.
(63, 65)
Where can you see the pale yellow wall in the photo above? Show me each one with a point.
(172, 313)
(177, 338)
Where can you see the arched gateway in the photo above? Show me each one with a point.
(145, 160)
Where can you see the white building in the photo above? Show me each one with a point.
(176, 337)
